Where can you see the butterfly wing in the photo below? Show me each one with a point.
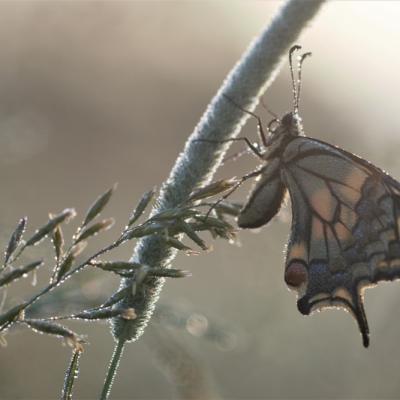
(265, 199)
(345, 232)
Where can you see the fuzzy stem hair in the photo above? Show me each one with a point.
(198, 161)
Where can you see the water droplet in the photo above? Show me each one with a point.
(197, 325)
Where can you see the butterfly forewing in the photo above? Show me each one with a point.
(345, 233)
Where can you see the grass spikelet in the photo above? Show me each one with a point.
(101, 313)
(68, 260)
(15, 239)
(143, 230)
(10, 316)
(94, 229)
(190, 232)
(116, 266)
(42, 232)
(177, 244)
(141, 207)
(16, 273)
(213, 189)
(58, 242)
(169, 273)
(51, 328)
(97, 207)
(174, 213)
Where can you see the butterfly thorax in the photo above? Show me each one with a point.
(285, 130)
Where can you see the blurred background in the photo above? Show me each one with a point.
(93, 93)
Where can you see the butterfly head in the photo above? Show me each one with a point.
(281, 132)
(289, 125)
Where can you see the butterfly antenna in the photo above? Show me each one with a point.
(294, 86)
(299, 69)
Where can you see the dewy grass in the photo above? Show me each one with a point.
(181, 211)
(168, 225)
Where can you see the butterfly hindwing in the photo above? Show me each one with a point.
(265, 199)
(345, 232)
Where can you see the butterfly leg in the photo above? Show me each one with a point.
(260, 128)
(252, 147)
(243, 179)
(237, 155)
(264, 105)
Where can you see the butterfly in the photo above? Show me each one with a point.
(345, 214)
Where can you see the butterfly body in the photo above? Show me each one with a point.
(345, 219)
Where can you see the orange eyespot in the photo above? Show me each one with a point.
(296, 274)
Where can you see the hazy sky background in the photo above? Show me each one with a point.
(93, 93)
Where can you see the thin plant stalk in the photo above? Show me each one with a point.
(198, 162)
(23, 306)
(112, 369)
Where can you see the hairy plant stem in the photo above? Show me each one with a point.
(198, 162)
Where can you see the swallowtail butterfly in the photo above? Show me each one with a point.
(345, 214)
